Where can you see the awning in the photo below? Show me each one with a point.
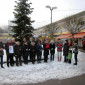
(79, 35)
(64, 36)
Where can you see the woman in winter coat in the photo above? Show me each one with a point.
(17, 51)
(52, 50)
(46, 50)
(65, 51)
(75, 51)
(59, 49)
(10, 52)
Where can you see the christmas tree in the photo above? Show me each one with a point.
(23, 23)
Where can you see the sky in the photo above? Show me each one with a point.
(41, 14)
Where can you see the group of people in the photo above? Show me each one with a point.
(26, 51)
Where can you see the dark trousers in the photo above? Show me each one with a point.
(32, 56)
(1, 58)
(10, 60)
(52, 57)
(18, 60)
(25, 59)
(75, 57)
(65, 59)
(39, 57)
(69, 61)
(45, 57)
(83, 47)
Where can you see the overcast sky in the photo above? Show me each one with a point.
(41, 14)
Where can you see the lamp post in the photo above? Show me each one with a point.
(51, 9)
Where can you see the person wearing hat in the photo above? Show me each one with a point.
(1, 53)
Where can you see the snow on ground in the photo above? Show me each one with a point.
(41, 72)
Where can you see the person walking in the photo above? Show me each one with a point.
(17, 52)
(75, 51)
(46, 50)
(1, 53)
(66, 50)
(52, 50)
(59, 49)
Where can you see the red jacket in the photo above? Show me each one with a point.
(83, 42)
(59, 47)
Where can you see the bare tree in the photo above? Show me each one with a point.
(74, 25)
(51, 29)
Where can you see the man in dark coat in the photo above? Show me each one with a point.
(32, 52)
(65, 50)
(46, 50)
(25, 52)
(10, 52)
(52, 50)
(17, 52)
(1, 53)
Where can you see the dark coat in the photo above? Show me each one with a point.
(26, 50)
(52, 48)
(1, 47)
(32, 50)
(17, 49)
(38, 49)
(75, 48)
(46, 49)
(65, 49)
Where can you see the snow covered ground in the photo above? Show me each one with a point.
(41, 72)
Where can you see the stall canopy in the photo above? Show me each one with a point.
(65, 36)
(79, 35)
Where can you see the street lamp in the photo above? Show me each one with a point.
(51, 8)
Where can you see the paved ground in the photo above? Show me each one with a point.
(79, 80)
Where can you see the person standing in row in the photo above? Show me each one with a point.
(59, 49)
(39, 51)
(52, 50)
(25, 52)
(1, 53)
(17, 51)
(10, 52)
(65, 50)
(32, 52)
(83, 43)
(46, 50)
(75, 51)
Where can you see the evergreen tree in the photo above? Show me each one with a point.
(23, 24)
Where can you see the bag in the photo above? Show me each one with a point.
(69, 56)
